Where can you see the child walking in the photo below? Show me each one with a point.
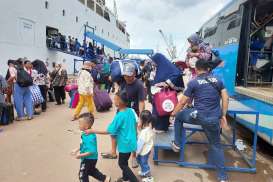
(145, 144)
(88, 151)
(124, 129)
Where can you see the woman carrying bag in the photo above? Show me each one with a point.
(169, 78)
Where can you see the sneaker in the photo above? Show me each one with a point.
(175, 147)
(148, 179)
(134, 163)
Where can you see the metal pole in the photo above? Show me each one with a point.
(85, 44)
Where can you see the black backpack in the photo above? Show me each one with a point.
(23, 78)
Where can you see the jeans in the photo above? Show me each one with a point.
(143, 161)
(211, 127)
(88, 168)
(88, 99)
(22, 99)
(127, 173)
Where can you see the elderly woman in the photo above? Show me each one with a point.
(59, 78)
(168, 76)
(198, 48)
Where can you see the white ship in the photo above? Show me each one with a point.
(26, 23)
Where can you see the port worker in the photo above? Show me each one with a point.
(85, 89)
(207, 92)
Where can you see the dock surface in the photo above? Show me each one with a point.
(39, 150)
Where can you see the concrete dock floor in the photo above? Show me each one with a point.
(39, 150)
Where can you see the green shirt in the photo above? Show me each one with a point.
(89, 144)
(123, 127)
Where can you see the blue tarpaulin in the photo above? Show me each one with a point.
(137, 51)
(104, 42)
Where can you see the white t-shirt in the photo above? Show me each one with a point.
(145, 141)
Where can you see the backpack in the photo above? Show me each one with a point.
(23, 78)
(8, 75)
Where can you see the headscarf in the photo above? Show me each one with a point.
(196, 40)
(40, 67)
(165, 71)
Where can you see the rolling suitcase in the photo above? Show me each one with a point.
(75, 100)
(7, 116)
(102, 100)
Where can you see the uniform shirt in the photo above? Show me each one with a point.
(136, 93)
(206, 97)
(89, 144)
(145, 141)
(85, 83)
(123, 127)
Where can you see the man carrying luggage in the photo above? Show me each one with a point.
(85, 89)
(207, 92)
(136, 96)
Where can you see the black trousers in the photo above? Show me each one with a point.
(59, 93)
(43, 89)
(88, 168)
(127, 173)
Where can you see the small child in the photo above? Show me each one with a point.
(88, 151)
(124, 129)
(145, 144)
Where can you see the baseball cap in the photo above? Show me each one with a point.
(129, 69)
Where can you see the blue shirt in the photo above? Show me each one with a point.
(123, 127)
(89, 144)
(206, 97)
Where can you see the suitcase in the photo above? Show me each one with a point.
(7, 116)
(102, 100)
(75, 100)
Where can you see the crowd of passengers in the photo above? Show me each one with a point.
(73, 46)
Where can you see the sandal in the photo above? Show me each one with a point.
(29, 118)
(108, 156)
(108, 179)
(19, 119)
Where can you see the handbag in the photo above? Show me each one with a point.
(36, 95)
(165, 102)
(71, 87)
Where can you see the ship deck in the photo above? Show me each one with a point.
(264, 94)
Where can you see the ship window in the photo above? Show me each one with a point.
(210, 32)
(233, 24)
(77, 19)
(106, 16)
(90, 4)
(46, 4)
(82, 1)
(63, 12)
(99, 10)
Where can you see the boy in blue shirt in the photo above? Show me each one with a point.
(88, 151)
(124, 129)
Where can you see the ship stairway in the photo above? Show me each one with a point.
(66, 52)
